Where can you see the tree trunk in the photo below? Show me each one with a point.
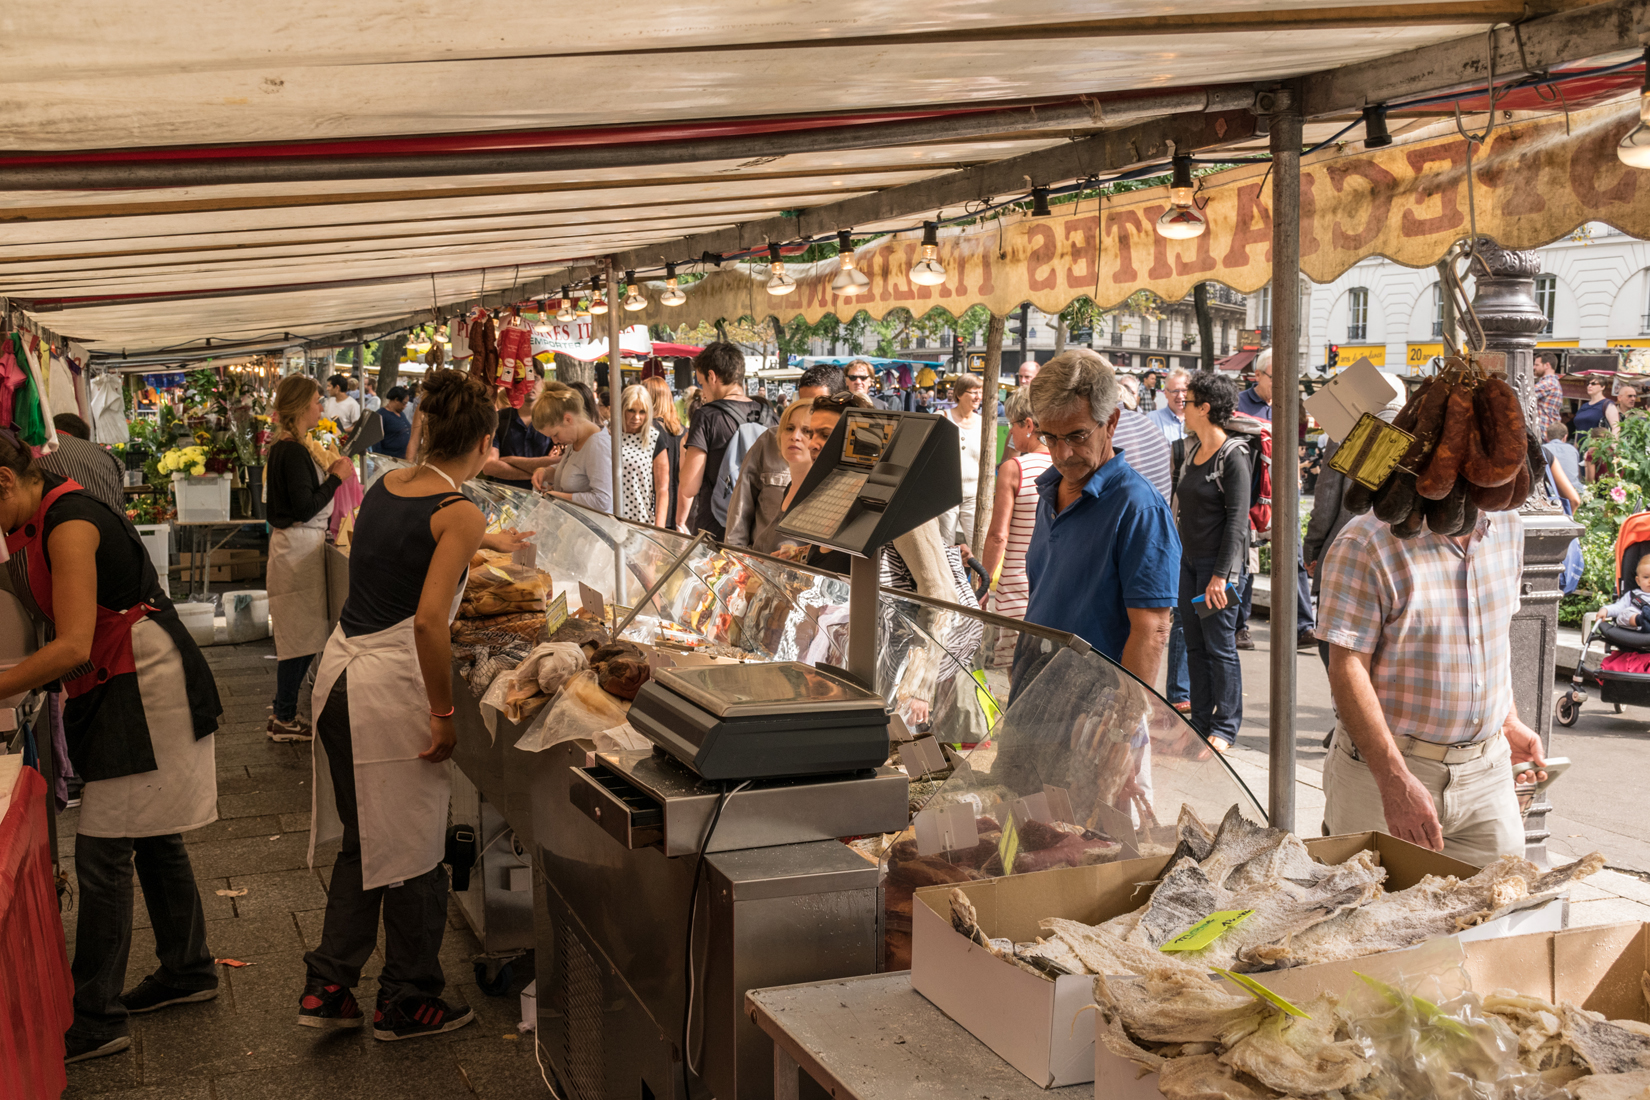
(1205, 325)
(570, 370)
(1059, 335)
(390, 350)
(985, 493)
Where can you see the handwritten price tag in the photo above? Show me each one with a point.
(1207, 930)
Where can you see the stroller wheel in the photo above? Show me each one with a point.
(1568, 710)
(1620, 708)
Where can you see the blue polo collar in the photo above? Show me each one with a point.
(1105, 477)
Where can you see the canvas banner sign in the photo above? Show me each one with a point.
(1533, 182)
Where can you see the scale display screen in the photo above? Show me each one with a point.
(865, 439)
(820, 514)
(731, 691)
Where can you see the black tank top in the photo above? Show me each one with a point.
(389, 557)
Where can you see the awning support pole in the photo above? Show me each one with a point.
(1286, 340)
(615, 386)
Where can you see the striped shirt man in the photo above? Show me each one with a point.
(1435, 619)
(1144, 448)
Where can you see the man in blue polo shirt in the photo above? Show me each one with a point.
(1104, 555)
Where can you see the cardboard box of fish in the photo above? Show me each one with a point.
(1017, 960)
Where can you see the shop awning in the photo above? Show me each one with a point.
(675, 351)
(1237, 362)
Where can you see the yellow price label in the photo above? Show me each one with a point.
(1207, 930)
(556, 613)
(1009, 846)
(1424, 1008)
(1261, 993)
(988, 702)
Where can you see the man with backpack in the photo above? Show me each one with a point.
(726, 413)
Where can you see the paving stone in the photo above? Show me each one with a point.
(116, 1074)
(259, 751)
(495, 1066)
(284, 773)
(358, 1067)
(1627, 886)
(288, 852)
(260, 803)
(179, 1091)
(1609, 911)
(244, 938)
(234, 828)
(277, 892)
(295, 822)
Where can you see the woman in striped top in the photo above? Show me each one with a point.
(1013, 516)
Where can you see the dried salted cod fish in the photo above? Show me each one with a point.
(1300, 1057)
(1104, 953)
(1432, 907)
(1196, 839)
(1054, 956)
(1115, 1039)
(1205, 1077)
(1183, 897)
(1175, 1010)
(1614, 1086)
(967, 922)
(1605, 1047)
(1238, 841)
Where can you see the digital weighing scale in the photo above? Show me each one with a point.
(762, 721)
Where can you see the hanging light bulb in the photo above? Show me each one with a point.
(598, 304)
(1634, 149)
(565, 315)
(1376, 135)
(544, 310)
(778, 281)
(928, 271)
(850, 280)
(633, 298)
(673, 295)
(1039, 202)
(1182, 220)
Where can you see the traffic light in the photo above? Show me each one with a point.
(958, 349)
(1334, 355)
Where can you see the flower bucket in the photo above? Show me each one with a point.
(201, 499)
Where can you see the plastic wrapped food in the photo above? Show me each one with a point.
(582, 709)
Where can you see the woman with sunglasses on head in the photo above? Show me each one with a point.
(384, 726)
(140, 715)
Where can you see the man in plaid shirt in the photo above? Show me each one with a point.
(1549, 397)
(1419, 664)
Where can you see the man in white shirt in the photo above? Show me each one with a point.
(339, 407)
(1170, 416)
(369, 396)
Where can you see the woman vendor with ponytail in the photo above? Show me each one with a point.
(383, 706)
(140, 715)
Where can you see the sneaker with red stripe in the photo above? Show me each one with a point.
(328, 1006)
(415, 1016)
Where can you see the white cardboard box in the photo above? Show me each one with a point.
(1035, 1025)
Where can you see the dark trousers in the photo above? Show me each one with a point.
(1211, 657)
(1304, 618)
(103, 934)
(415, 913)
(1179, 681)
(289, 678)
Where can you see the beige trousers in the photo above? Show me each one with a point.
(1477, 807)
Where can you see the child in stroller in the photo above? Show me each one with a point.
(1623, 673)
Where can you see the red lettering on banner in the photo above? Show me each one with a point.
(1160, 268)
(1203, 261)
(1085, 255)
(1309, 215)
(1043, 251)
(1252, 226)
(899, 290)
(1587, 162)
(1382, 187)
(987, 281)
(1124, 223)
(1519, 171)
(1449, 214)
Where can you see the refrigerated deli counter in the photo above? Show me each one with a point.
(655, 897)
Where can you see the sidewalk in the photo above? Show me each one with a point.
(246, 1045)
(1600, 803)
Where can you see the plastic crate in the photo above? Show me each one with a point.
(202, 499)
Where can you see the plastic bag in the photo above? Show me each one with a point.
(581, 710)
(551, 663)
(520, 693)
(620, 739)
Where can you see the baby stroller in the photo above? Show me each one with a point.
(1622, 646)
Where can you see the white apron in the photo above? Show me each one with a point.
(182, 792)
(400, 800)
(297, 586)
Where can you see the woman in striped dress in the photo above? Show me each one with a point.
(1013, 515)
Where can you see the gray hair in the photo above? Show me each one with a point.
(1072, 378)
(1019, 405)
(1264, 359)
(1177, 372)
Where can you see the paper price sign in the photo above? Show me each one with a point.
(1260, 992)
(1207, 930)
(556, 613)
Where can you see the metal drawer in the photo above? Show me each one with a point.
(624, 811)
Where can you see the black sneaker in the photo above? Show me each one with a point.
(150, 995)
(415, 1016)
(329, 1006)
(1244, 640)
(77, 1049)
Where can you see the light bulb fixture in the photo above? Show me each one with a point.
(1039, 202)
(673, 295)
(928, 271)
(598, 304)
(565, 315)
(1376, 135)
(778, 281)
(1182, 220)
(544, 310)
(1634, 149)
(850, 280)
(633, 299)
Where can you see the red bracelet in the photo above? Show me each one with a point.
(450, 712)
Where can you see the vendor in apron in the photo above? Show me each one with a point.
(384, 726)
(299, 498)
(140, 715)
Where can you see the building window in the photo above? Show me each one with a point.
(1357, 313)
(1546, 296)
(1116, 332)
(1263, 309)
(1437, 309)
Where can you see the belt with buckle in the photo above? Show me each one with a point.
(1427, 750)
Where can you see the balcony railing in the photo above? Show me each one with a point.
(1357, 332)
(1116, 337)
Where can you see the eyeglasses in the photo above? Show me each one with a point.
(1074, 439)
(859, 378)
